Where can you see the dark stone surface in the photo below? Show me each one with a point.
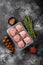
(17, 8)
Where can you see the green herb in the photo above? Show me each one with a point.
(29, 27)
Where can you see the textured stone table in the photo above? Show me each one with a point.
(16, 8)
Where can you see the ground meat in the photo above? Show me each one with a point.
(21, 44)
(19, 27)
(16, 38)
(27, 40)
(23, 34)
(11, 21)
(12, 31)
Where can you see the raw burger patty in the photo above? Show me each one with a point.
(12, 31)
(21, 44)
(23, 34)
(19, 27)
(16, 38)
(27, 40)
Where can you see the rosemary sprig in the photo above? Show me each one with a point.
(29, 27)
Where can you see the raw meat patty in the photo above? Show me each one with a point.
(21, 44)
(27, 40)
(23, 34)
(19, 27)
(16, 38)
(12, 31)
